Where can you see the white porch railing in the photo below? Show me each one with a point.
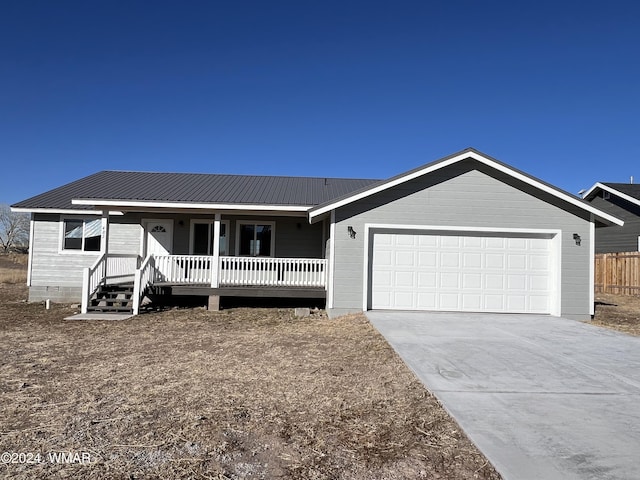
(121, 267)
(145, 276)
(92, 278)
(273, 272)
(232, 271)
(184, 268)
(242, 271)
(109, 268)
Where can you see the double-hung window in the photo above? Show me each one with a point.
(82, 235)
(255, 239)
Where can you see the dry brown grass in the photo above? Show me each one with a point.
(619, 312)
(13, 268)
(242, 393)
(8, 275)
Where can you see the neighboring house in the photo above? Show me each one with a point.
(464, 233)
(623, 201)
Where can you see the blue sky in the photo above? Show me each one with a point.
(316, 88)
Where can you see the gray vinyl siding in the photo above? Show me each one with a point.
(462, 196)
(296, 238)
(58, 275)
(124, 236)
(615, 238)
(55, 275)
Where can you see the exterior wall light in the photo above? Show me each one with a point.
(352, 232)
(577, 238)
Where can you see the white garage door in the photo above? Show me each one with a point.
(462, 273)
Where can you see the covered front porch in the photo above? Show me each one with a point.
(204, 275)
(208, 266)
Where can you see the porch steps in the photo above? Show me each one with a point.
(116, 298)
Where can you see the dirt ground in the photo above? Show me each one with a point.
(619, 312)
(236, 394)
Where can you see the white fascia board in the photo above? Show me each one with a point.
(62, 211)
(487, 161)
(591, 190)
(195, 206)
(612, 191)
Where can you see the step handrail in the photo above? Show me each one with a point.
(92, 278)
(144, 277)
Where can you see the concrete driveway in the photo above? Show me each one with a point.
(543, 397)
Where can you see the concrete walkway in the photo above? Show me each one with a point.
(543, 398)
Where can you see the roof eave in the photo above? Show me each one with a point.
(68, 211)
(127, 204)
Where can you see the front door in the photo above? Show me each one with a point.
(159, 235)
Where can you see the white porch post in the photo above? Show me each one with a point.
(104, 244)
(215, 261)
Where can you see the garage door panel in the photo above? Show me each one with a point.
(464, 273)
(472, 260)
(494, 260)
(385, 258)
(427, 280)
(427, 259)
(450, 280)
(383, 278)
(495, 243)
(404, 279)
(472, 281)
(449, 301)
(515, 244)
(472, 302)
(494, 302)
(425, 241)
(426, 301)
(539, 283)
(539, 304)
(449, 242)
(517, 261)
(516, 282)
(472, 242)
(539, 244)
(450, 260)
(405, 240)
(404, 258)
(384, 239)
(383, 300)
(494, 282)
(403, 300)
(539, 262)
(517, 303)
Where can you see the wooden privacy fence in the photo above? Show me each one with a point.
(618, 273)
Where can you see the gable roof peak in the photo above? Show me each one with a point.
(626, 191)
(467, 153)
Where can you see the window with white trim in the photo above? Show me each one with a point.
(255, 239)
(202, 237)
(82, 235)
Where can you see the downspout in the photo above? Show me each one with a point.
(332, 259)
(592, 268)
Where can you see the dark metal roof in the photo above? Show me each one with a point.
(630, 189)
(196, 188)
